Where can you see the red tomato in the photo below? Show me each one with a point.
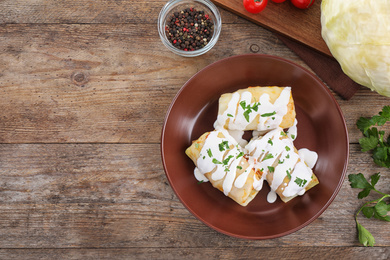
(278, 1)
(255, 6)
(302, 4)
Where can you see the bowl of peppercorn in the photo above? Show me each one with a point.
(189, 27)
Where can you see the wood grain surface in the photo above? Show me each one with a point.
(302, 25)
(84, 89)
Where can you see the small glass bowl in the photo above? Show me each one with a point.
(179, 5)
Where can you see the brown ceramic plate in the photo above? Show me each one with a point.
(321, 127)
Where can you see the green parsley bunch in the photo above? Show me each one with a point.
(377, 208)
(375, 141)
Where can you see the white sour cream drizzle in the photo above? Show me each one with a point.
(241, 111)
(222, 155)
(293, 131)
(275, 153)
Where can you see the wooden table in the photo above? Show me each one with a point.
(85, 86)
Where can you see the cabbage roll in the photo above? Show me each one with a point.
(219, 159)
(283, 166)
(256, 108)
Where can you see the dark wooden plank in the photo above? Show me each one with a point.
(82, 11)
(87, 12)
(283, 18)
(117, 195)
(112, 83)
(244, 252)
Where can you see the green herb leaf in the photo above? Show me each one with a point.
(215, 161)
(358, 181)
(240, 155)
(363, 124)
(289, 174)
(300, 182)
(368, 211)
(365, 236)
(268, 114)
(210, 154)
(379, 210)
(223, 146)
(246, 114)
(226, 161)
(375, 140)
(229, 115)
(271, 169)
(270, 142)
(243, 104)
(268, 156)
(368, 143)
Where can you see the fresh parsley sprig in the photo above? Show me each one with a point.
(374, 139)
(377, 208)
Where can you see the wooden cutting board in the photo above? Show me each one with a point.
(303, 25)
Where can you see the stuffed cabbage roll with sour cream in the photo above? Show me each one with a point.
(256, 108)
(219, 159)
(283, 166)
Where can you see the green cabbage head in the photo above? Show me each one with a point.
(357, 33)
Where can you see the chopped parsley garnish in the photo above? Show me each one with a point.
(268, 156)
(268, 114)
(223, 146)
(248, 108)
(209, 153)
(270, 142)
(289, 173)
(300, 182)
(215, 161)
(239, 167)
(229, 115)
(226, 161)
(240, 155)
(287, 148)
(271, 169)
(292, 136)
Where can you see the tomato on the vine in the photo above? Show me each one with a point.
(278, 1)
(255, 6)
(302, 4)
